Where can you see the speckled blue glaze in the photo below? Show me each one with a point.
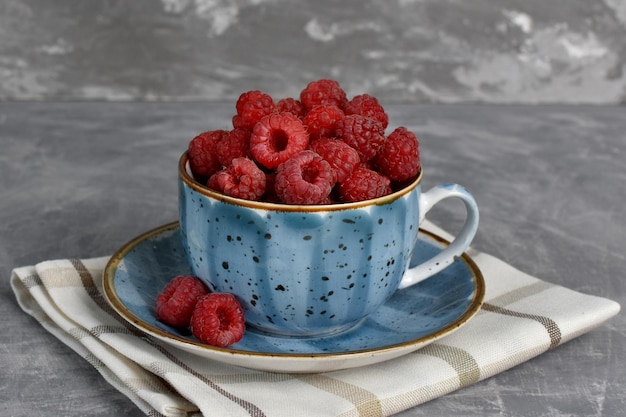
(411, 315)
(300, 273)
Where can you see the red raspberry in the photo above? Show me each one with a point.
(323, 92)
(362, 133)
(367, 106)
(367, 165)
(238, 122)
(322, 120)
(363, 184)
(304, 179)
(242, 179)
(251, 107)
(203, 153)
(291, 105)
(175, 304)
(235, 144)
(218, 320)
(276, 138)
(341, 156)
(399, 157)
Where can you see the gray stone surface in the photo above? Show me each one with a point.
(405, 50)
(81, 179)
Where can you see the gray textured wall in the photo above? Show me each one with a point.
(571, 51)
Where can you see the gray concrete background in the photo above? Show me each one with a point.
(524, 51)
(80, 179)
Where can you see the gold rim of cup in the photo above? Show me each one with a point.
(191, 182)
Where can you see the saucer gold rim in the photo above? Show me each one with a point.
(227, 353)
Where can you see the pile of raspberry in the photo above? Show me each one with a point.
(214, 318)
(320, 149)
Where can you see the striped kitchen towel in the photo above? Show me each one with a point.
(521, 318)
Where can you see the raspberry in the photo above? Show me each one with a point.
(323, 92)
(175, 304)
(304, 179)
(322, 120)
(251, 107)
(203, 153)
(399, 157)
(276, 138)
(341, 156)
(218, 320)
(291, 105)
(235, 144)
(242, 179)
(363, 184)
(362, 133)
(238, 123)
(367, 106)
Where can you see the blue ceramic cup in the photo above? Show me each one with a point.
(311, 270)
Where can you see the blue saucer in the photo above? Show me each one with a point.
(411, 319)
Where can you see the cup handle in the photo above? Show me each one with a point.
(444, 258)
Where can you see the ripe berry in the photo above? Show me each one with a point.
(291, 105)
(305, 178)
(203, 158)
(218, 320)
(323, 92)
(367, 106)
(363, 184)
(242, 179)
(362, 133)
(322, 120)
(238, 123)
(276, 138)
(341, 156)
(235, 144)
(175, 304)
(251, 107)
(399, 157)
